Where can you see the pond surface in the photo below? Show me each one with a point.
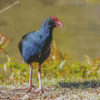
(79, 36)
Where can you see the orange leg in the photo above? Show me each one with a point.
(30, 79)
(40, 90)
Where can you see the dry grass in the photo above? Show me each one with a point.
(60, 91)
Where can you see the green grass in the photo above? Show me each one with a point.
(73, 72)
(57, 68)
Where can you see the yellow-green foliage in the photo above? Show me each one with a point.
(4, 44)
(55, 67)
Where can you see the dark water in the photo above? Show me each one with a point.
(81, 19)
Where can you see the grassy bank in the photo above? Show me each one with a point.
(60, 78)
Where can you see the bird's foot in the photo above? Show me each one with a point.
(30, 88)
(26, 88)
(41, 91)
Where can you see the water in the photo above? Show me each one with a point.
(79, 36)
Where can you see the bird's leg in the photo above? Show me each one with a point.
(39, 77)
(30, 79)
(40, 90)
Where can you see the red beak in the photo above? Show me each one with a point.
(59, 24)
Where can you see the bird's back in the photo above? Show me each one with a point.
(35, 46)
(32, 45)
(23, 39)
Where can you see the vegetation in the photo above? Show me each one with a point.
(57, 73)
(56, 67)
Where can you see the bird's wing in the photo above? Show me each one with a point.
(32, 43)
(25, 35)
(23, 38)
(20, 46)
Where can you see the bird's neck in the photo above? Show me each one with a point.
(46, 29)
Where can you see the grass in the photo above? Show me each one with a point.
(59, 76)
(56, 67)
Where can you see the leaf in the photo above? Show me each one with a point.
(1, 77)
(62, 64)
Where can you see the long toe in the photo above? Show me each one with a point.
(39, 91)
(21, 88)
(29, 89)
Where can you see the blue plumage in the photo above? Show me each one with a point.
(35, 46)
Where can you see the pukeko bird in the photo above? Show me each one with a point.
(35, 47)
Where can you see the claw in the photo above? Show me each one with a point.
(30, 88)
(39, 91)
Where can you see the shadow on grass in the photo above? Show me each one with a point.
(83, 85)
